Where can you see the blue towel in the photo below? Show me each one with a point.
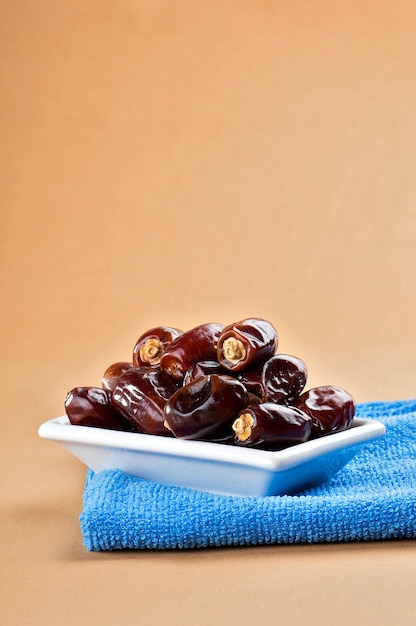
(372, 498)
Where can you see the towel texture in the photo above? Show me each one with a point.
(371, 498)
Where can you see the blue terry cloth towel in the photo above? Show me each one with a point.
(372, 498)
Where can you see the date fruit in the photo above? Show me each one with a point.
(246, 343)
(280, 379)
(197, 344)
(331, 408)
(151, 345)
(113, 373)
(91, 406)
(205, 406)
(140, 395)
(203, 368)
(271, 426)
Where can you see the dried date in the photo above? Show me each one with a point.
(203, 368)
(113, 373)
(140, 395)
(197, 344)
(91, 406)
(152, 344)
(281, 379)
(331, 408)
(271, 426)
(246, 343)
(204, 407)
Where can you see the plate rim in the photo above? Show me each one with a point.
(362, 431)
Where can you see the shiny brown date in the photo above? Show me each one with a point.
(151, 345)
(203, 368)
(281, 379)
(197, 344)
(246, 343)
(271, 426)
(113, 373)
(331, 408)
(140, 395)
(91, 406)
(204, 407)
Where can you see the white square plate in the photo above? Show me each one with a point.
(214, 467)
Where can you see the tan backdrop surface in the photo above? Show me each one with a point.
(184, 162)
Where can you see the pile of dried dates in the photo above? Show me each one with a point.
(225, 384)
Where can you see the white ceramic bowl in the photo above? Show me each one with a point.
(214, 467)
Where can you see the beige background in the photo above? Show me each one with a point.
(184, 162)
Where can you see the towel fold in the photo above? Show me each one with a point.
(372, 498)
